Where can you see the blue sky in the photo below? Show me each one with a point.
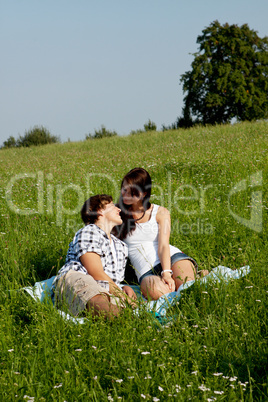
(72, 66)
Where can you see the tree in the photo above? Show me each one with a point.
(229, 76)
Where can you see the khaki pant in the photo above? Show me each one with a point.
(75, 290)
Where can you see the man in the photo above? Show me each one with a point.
(95, 263)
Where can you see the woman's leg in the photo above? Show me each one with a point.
(183, 271)
(152, 287)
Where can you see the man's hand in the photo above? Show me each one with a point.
(130, 292)
(131, 296)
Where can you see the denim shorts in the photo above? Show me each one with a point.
(174, 258)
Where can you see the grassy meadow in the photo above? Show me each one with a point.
(214, 182)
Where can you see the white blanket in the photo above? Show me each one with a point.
(41, 290)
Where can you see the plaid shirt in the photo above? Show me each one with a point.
(93, 239)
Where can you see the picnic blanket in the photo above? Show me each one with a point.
(42, 290)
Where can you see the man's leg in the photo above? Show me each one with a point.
(81, 292)
(101, 305)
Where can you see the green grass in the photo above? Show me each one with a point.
(216, 348)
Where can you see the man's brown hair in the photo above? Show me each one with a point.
(91, 207)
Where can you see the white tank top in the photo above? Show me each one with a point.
(143, 245)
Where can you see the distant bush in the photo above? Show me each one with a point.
(101, 133)
(10, 143)
(37, 136)
(33, 137)
(150, 126)
(133, 132)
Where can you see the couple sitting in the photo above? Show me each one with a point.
(96, 259)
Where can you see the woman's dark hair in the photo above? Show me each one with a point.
(89, 211)
(139, 181)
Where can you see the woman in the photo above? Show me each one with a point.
(160, 267)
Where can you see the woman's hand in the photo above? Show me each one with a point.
(166, 278)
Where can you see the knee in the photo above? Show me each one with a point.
(153, 289)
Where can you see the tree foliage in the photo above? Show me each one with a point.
(229, 77)
(38, 135)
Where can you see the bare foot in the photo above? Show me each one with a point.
(203, 273)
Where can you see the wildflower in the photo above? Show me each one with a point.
(16, 372)
(248, 287)
(11, 350)
(217, 374)
(203, 388)
(145, 353)
(205, 293)
(160, 389)
(119, 380)
(94, 347)
(258, 301)
(110, 398)
(131, 377)
(155, 399)
(66, 372)
(57, 386)
(194, 372)
(143, 396)
(195, 326)
(78, 350)
(219, 392)
(232, 378)
(95, 378)
(148, 377)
